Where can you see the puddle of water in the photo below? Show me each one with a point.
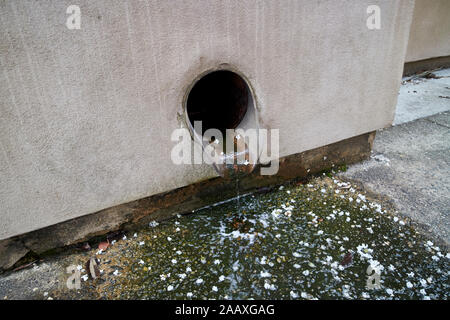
(286, 244)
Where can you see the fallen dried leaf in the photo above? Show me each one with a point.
(92, 267)
(24, 266)
(103, 245)
(348, 258)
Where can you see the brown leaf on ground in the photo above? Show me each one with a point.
(348, 258)
(92, 268)
(24, 266)
(430, 75)
(103, 245)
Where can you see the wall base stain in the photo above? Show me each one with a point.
(135, 214)
(413, 67)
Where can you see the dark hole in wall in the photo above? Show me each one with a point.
(219, 99)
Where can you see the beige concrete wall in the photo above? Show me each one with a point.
(86, 115)
(430, 30)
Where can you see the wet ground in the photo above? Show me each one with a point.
(299, 241)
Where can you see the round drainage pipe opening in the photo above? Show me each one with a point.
(219, 99)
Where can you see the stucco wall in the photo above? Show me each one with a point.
(86, 115)
(430, 30)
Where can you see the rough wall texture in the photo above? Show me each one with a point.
(137, 214)
(86, 115)
(430, 30)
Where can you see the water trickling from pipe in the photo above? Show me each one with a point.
(234, 164)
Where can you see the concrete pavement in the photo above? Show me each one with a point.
(410, 161)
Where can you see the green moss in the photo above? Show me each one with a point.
(299, 250)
